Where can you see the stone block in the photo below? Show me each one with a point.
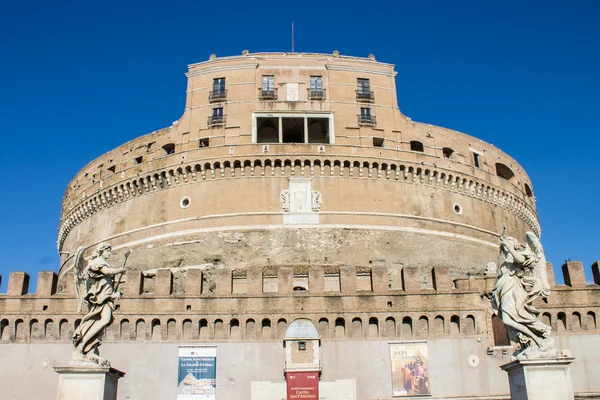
(223, 282)
(540, 379)
(411, 281)
(316, 280)
(285, 280)
(380, 279)
(596, 272)
(163, 284)
(87, 382)
(573, 274)
(18, 283)
(462, 284)
(550, 274)
(134, 284)
(348, 279)
(254, 281)
(46, 284)
(441, 279)
(193, 282)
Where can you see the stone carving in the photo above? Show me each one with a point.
(285, 200)
(521, 279)
(96, 288)
(316, 200)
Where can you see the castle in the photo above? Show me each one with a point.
(292, 188)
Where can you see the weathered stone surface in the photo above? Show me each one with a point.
(86, 382)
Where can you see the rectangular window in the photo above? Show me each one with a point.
(365, 112)
(218, 112)
(268, 83)
(203, 142)
(476, 160)
(316, 83)
(219, 85)
(313, 128)
(364, 86)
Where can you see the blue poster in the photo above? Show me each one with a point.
(197, 373)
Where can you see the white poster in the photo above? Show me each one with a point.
(197, 373)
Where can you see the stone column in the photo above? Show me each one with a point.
(87, 382)
(540, 379)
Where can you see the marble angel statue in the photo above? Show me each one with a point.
(521, 279)
(95, 287)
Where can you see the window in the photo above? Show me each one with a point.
(138, 160)
(505, 173)
(301, 345)
(114, 168)
(448, 152)
(293, 129)
(363, 91)
(267, 90)
(218, 93)
(315, 92)
(203, 142)
(378, 141)
(416, 146)
(365, 117)
(169, 148)
(476, 160)
(217, 117)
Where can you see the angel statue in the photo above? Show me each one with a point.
(95, 286)
(521, 279)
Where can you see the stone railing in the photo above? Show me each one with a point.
(265, 166)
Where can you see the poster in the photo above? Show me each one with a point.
(302, 385)
(197, 373)
(410, 369)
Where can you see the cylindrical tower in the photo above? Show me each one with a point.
(299, 159)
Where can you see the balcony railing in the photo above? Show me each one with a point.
(216, 120)
(267, 94)
(365, 96)
(217, 95)
(367, 120)
(316, 94)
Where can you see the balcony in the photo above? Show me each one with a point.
(267, 94)
(366, 120)
(217, 95)
(365, 96)
(216, 120)
(316, 94)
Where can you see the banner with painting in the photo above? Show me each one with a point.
(410, 369)
(197, 373)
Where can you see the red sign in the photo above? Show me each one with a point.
(302, 385)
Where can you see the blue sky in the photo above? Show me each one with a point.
(79, 78)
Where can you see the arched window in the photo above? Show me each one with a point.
(504, 172)
(155, 333)
(407, 327)
(140, 330)
(416, 146)
(171, 329)
(390, 327)
(281, 328)
(528, 191)
(324, 328)
(250, 329)
(203, 329)
(455, 325)
(234, 330)
(373, 330)
(340, 328)
(448, 152)
(265, 329)
(169, 148)
(219, 329)
(356, 328)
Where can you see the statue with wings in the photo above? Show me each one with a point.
(521, 279)
(95, 287)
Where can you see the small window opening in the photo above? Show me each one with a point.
(477, 160)
(44, 308)
(448, 152)
(504, 172)
(389, 304)
(267, 130)
(169, 148)
(299, 289)
(528, 191)
(112, 168)
(138, 160)
(204, 142)
(293, 130)
(416, 146)
(378, 142)
(188, 307)
(301, 345)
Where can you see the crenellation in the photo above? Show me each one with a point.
(18, 284)
(441, 279)
(285, 281)
(550, 274)
(254, 281)
(411, 280)
(163, 285)
(134, 284)
(380, 278)
(46, 284)
(223, 280)
(193, 283)
(596, 272)
(348, 282)
(573, 274)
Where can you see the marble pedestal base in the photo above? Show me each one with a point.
(87, 382)
(540, 379)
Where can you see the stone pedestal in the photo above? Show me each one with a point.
(540, 379)
(87, 383)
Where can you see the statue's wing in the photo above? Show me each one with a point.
(542, 286)
(79, 279)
